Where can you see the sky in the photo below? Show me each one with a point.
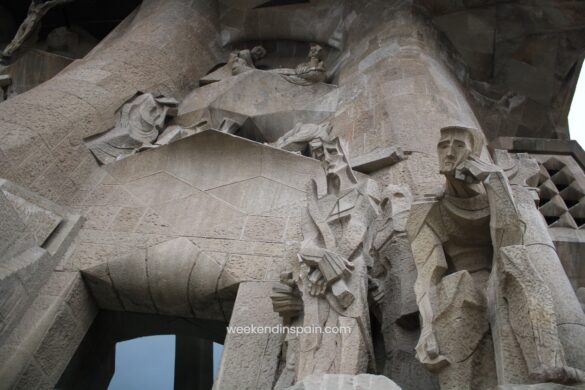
(577, 113)
(148, 363)
(145, 363)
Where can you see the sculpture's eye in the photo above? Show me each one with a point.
(332, 151)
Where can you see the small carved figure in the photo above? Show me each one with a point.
(488, 316)
(139, 124)
(310, 72)
(298, 138)
(36, 11)
(244, 60)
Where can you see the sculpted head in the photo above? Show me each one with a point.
(316, 51)
(456, 145)
(258, 52)
(334, 161)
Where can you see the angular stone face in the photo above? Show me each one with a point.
(448, 257)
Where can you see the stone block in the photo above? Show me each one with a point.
(249, 361)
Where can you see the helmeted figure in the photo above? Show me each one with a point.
(495, 303)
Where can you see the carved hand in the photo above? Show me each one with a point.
(286, 299)
(473, 170)
(427, 351)
(317, 283)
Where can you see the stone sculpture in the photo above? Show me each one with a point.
(36, 11)
(333, 276)
(310, 72)
(140, 122)
(298, 138)
(483, 253)
(243, 60)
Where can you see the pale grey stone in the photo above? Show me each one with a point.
(250, 360)
(345, 382)
(459, 319)
(141, 120)
(197, 217)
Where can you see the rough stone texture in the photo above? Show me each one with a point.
(345, 382)
(179, 231)
(539, 386)
(34, 68)
(259, 116)
(249, 361)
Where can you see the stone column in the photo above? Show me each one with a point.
(193, 363)
(398, 87)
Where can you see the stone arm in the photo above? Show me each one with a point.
(431, 265)
(506, 226)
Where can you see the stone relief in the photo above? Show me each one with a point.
(241, 61)
(297, 139)
(139, 126)
(36, 11)
(342, 231)
(490, 313)
(310, 72)
(463, 290)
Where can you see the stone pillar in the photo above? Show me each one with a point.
(250, 358)
(193, 363)
(397, 88)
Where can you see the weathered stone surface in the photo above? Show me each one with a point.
(260, 116)
(141, 120)
(462, 323)
(345, 382)
(179, 231)
(249, 360)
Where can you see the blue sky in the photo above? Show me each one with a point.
(148, 363)
(145, 363)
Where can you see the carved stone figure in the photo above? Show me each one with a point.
(489, 313)
(334, 261)
(333, 276)
(244, 60)
(310, 72)
(298, 138)
(140, 122)
(36, 11)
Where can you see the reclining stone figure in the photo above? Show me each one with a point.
(243, 60)
(140, 122)
(298, 138)
(310, 72)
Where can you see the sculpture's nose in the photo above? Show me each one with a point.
(450, 150)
